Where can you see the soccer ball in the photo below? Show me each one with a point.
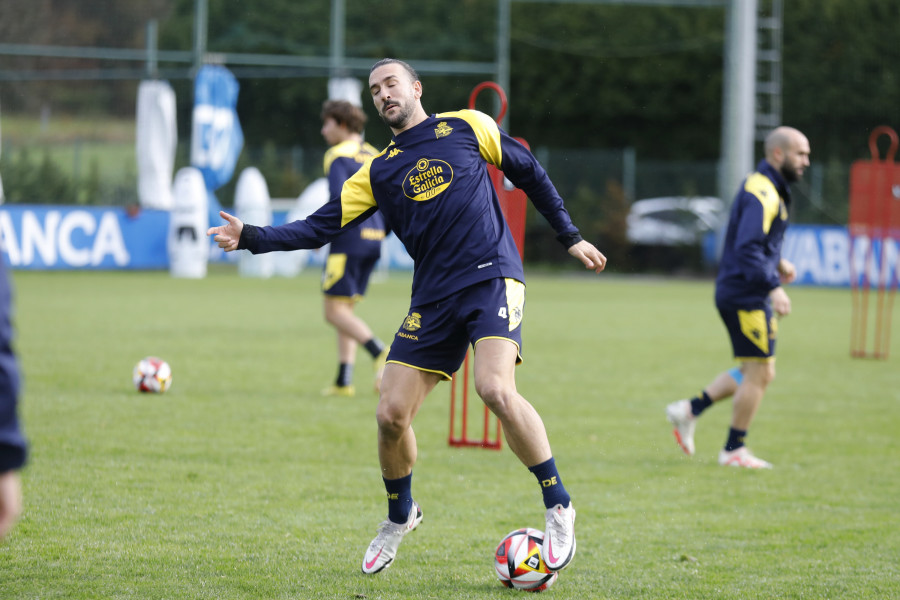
(152, 374)
(518, 561)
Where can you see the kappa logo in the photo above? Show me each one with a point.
(442, 130)
(413, 322)
(394, 152)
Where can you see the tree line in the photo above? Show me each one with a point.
(601, 75)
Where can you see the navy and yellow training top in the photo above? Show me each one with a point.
(341, 161)
(13, 446)
(748, 270)
(433, 187)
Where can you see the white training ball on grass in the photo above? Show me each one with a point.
(518, 562)
(152, 375)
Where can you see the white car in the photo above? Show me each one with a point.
(674, 220)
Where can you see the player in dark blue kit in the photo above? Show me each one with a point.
(13, 447)
(433, 186)
(749, 296)
(354, 252)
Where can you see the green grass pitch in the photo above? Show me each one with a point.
(242, 482)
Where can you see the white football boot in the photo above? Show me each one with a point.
(679, 414)
(383, 548)
(742, 457)
(559, 537)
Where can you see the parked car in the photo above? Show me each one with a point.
(675, 234)
(674, 220)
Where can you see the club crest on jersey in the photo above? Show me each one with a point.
(427, 179)
(442, 130)
(413, 322)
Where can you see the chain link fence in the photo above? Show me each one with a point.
(598, 186)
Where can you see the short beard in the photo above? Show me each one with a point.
(399, 121)
(789, 174)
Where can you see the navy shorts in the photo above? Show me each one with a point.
(347, 275)
(435, 337)
(753, 332)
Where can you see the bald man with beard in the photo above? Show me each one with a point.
(750, 297)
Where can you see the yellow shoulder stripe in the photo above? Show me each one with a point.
(347, 149)
(764, 190)
(356, 195)
(486, 130)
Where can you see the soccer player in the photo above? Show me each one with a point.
(750, 296)
(13, 447)
(433, 186)
(354, 252)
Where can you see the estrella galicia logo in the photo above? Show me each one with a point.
(413, 322)
(427, 179)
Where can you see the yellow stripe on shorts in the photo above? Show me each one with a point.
(334, 270)
(515, 302)
(753, 326)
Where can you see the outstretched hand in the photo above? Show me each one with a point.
(229, 234)
(592, 258)
(787, 272)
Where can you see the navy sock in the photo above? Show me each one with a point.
(345, 374)
(374, 347)
(735, 439)
(399, 494)
(551, 484)
(700, 403)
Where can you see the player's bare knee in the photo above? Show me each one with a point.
(769, 373)
(487, 390)
(392, 426)
(499, 398)
(391, 421)
(760, 374)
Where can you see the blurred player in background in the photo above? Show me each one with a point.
(13, 447)
(433, 186)
(750, 296)
(354, 252)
